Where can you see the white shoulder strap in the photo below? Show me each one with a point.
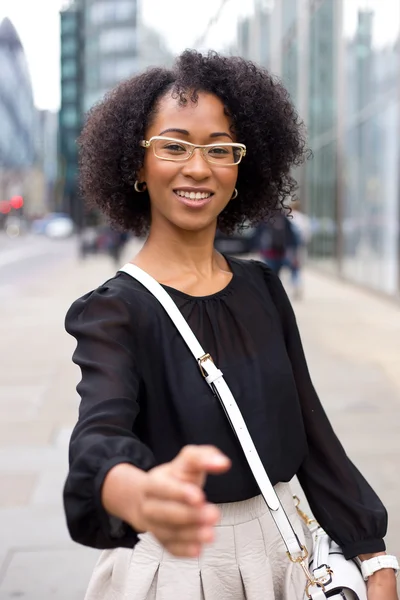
(215, 380)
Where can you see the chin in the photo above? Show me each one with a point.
(194, 225)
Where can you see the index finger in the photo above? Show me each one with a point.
(199, 460)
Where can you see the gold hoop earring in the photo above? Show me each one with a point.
(235, 194)
(138, 189)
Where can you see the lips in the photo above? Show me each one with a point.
(194, 198)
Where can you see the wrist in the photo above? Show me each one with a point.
(363, 557)
(122, 493)
(378, 567)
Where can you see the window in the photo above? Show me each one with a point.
(68, 68)
(289, 14)
(70, 142)
(244, 36)
(7, 132)
(69, 46)
(118, 40)
(321, 189)
(102, 12)
(125, 68)
(69, 91)
(113, 71)
(125, 9)
(322, 52)
(92, 77)
(90, 99)
(7, 73)
(69, 117)
(289, 68)
(265, 38)
(68, 22)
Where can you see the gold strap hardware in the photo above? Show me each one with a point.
(302, 514)
(314, 582)
(301, 560)
(203, 359)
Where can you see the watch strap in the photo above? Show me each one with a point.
(372, 565)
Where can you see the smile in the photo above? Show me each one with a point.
(193, 199)
(193, 195)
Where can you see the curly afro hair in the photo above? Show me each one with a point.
(263, 119)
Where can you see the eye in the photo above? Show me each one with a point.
(174, 148)
(220, 151)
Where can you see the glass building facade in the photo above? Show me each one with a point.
(111, 49)
(340, 60)
(17, 112)
(71, 110)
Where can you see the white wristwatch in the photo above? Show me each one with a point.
(372, 565)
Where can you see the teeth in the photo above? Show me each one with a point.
(193, 195)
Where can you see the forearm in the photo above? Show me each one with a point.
(122, 485)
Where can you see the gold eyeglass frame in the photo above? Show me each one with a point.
(203, 148)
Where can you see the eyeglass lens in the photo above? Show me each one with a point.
(174, 150)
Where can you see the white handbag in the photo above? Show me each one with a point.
(328, 574)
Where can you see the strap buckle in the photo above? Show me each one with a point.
(203, 359)
(311, 580)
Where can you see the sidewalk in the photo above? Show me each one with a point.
(352, 344)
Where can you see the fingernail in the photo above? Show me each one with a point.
(220, 460)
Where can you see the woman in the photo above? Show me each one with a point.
(175, 153)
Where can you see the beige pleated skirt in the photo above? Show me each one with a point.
(247, 561)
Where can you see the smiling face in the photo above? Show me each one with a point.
(190, 194)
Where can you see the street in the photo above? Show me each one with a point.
(351, 339)
(24, 258)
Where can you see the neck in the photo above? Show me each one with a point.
(169, 250)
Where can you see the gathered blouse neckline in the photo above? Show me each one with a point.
(219, 294)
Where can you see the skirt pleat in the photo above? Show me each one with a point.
(246, 561)
(218, 567)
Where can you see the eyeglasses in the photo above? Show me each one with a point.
(223, 154)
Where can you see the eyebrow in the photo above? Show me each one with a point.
(185, 132)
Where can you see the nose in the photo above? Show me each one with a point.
(197, 167)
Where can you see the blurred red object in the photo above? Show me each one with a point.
(5, 207)
(17, 202)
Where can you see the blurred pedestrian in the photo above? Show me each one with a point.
(155, 470)
(116, 241)
(279, 247)
(301, 226)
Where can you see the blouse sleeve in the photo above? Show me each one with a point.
(101, 322)
(341, 499)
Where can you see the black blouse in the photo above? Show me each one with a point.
(137, 407)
